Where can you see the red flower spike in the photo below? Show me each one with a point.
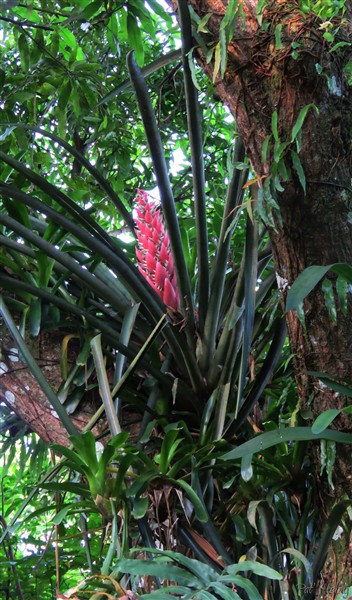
(155, 261)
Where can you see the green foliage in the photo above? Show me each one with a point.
(180, 396)
(325, 9)
(282, 160)
(196, 580)
(310, 277)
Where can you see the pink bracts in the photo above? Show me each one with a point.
(153, 252)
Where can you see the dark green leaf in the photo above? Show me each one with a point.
(35, 315)
(297, 165)
(135, 38)
(158, 569)
(198, 505)
(329, 298)
(256, 567)
(324, 419)
(24, 51)
(304, 284)
(294, 434)
(246, 467)
(300, 120)
(274, 130)
(278, 41)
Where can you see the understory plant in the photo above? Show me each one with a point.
(181, 329)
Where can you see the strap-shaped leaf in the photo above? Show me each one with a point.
(279, 333)
(163, 570)
(251, 258)
(218, 272)
(294, 434)
(329, 529)
(308, 279)
(196, 145)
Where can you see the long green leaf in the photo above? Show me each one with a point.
(111, 553)
(72, 266)
(162, 570)
(332, 383)
(297, 554)
(324, 419)
(66, 486)
(110, 333)
(251, 258)
(218, 273)
(294, 434)
(79, 214)
(329, 529)
(268, 536)
(297, 165)
(205, 573)
(248, 587)
(198, 506)
(300, 120)
(304, 284)
(230, 339)
(265, 374)
(104, 387)
(254, 566)
(196, 145)
(223, 591)
(308, 279)
(125, 334)
(86, 448)
(170, 593)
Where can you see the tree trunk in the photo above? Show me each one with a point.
(20, 391)
(284, 65)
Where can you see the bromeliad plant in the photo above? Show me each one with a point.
(190, 343)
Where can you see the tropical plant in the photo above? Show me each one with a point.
(186, 345)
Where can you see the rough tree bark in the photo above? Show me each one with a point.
(314, 228)
(20, 391)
